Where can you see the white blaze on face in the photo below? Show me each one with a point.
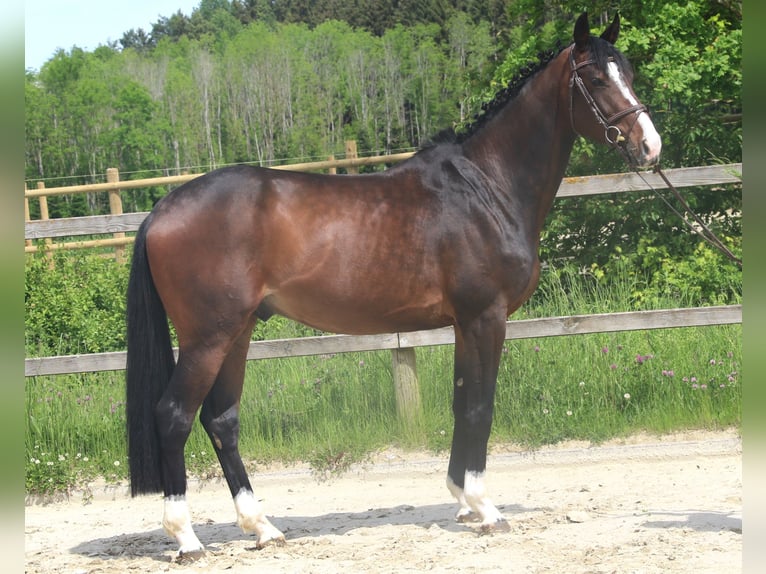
(652, 141)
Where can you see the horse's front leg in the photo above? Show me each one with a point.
(478, 347)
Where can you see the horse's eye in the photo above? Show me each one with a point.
(597, 82)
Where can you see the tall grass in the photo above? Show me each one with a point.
(334, 409)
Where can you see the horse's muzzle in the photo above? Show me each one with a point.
(646, 153)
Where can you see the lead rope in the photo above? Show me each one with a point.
(703, 230)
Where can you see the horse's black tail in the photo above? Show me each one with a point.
(150, 364)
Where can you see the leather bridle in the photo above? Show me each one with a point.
(612, 133)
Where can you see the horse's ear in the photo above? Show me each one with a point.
(611, 33)
(582, 31)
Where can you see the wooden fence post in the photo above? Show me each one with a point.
(44, 216)
(351, 153)
(27, 216)
(332, 170)
(115, 208)
(406, 387)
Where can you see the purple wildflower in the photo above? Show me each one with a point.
(641, 359)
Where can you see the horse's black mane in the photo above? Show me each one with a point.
(489, 109)
(600, 50)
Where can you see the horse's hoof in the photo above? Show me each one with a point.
(501, 525)
(186, 556)
(271, 541)
(467, 517)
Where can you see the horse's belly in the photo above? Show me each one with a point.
(359, 315)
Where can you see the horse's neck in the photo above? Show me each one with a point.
(526, 147)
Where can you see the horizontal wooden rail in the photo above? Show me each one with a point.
(87, 225)
(598, 323)
(519, 329)
(115, 242)
(631, 181)
(571, 186)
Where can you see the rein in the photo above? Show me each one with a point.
(701, 229)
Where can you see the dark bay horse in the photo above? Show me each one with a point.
(448, 237)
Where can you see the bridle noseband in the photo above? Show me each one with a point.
(612, 133)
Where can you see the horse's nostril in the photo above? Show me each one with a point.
(645, 147)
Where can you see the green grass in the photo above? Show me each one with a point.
(334, 410)
(75, 430)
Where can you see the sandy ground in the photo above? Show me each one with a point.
(643, 505)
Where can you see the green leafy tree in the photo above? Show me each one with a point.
(172, 27)
(38, 127)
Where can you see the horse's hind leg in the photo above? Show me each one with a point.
(220, 418)
(192, 378)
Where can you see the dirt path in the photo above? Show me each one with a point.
(645, 505)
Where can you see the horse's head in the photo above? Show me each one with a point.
(602, 104)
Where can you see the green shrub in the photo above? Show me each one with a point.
(74, 304)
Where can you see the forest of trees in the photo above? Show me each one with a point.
(272, 81)
(221, 87)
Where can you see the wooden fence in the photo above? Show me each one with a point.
(401, 345)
